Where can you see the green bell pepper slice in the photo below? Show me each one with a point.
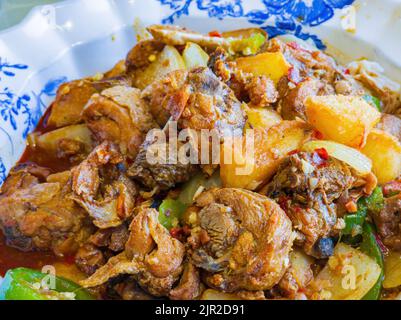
(370, 247)
(24, 284)
(170, 212)
(354, 222)
(373, 101)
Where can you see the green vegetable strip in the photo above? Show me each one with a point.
(375, 102)
(19, 284)
(370, 247)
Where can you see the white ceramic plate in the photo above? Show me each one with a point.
(77, 38)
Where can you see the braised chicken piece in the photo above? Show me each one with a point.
(312, 73)
(242, 240)
(118, 114)
(259, 91)
(390, 124)
(173, 35)
(151, 256)
(138, 57)
(388, 222)
(292, 104)
(371, 74)
(198, 100)
(189, 287)
(100, 246)
(307, 186)
(166, 95)
(101, 187)
(72, 97)
(37, 213)
(163, 174)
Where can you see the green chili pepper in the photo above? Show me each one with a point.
(26, 284)
(370, 247)
(375, 202)
(190, 188)
(375, 102)
(170, 212)
(355, 221)
(250, 45)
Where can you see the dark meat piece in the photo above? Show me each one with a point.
(242, 241)
(198, 100)
(307, 188)
(388, 222)
(152, 256)
(111, 238)
(292, 103)
(89, 258)
(259, 91)
(36, 212)
(130, 290)
(72, 97)
(101, 187)
(390, 124)
(165, 95)
(118, 114)
(139, 55)
(162, 175)
(189, 287)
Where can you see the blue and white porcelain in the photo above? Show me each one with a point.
(78, 38)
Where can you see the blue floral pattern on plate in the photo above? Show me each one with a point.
(20, 112)
(277, 17)
(13, 105)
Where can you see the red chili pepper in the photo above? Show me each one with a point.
(296, 46)
(380, 243)
(176, 232)
(318, 160)
(392, 188)
(283, 202)
(298, 209)
(70, 259)
(322, 153)
(215, 33)
(293, 152)
(346, 71)
(316, 134)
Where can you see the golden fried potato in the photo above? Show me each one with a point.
(262, 118)
(270, 64)
(168, 60)
(50, 141)
(392, 270)
(385, 152)
(194, 56)
(344, 119)
(348, 275)
(251, 169)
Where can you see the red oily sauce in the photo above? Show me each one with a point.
(13, 258)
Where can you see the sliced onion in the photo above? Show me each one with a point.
(350, 156)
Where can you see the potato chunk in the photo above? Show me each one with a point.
(168, 60)
(249, 170)
(344, 119)
(50, 141)
(262, 118)
(385, 152)
(348, 275)
(194, 56)
(392, 270)
(270, 64)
